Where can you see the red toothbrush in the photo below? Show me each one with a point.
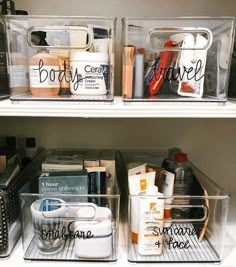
(158, 78)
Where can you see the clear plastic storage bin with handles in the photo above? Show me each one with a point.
(70, 209)
(61, 58)
(177, 59)
(165, 226)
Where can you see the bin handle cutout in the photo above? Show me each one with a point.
(202, 219)
(91, 210)
(181, 32)
(58, 29)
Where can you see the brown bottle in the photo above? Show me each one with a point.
(43, 74)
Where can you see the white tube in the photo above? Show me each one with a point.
(138, 184)
(151, 222)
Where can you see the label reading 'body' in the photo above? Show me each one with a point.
(44, 78)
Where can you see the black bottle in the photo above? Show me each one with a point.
(8, 7)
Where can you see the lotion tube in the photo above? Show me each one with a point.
(151, 222)
(168, 190)
(138, 184)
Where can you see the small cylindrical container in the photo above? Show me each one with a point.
(47, 218)
(89, 73)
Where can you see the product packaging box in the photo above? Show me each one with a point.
(63, 163)
(72, 182)
(61, 58)
(177, 59)
(165, 225)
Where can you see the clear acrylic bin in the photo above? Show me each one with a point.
(177, 59)
(10, 220)
(60, 226)
(61, 58)
(194, 239)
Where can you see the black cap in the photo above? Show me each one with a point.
(8, 7)
(30, 142)
(21, 12)
(11, 141)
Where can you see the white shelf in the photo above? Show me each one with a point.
(229, 257)
(16, 259)
(118, 109)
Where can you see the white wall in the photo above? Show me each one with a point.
(129, 8)
(210, 143)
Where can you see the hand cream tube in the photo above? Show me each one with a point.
(151, 222)
(137, 184)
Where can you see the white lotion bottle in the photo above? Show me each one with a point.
(151, 222)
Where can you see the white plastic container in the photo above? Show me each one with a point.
(98, 243)
(138, 184)
(89, 73)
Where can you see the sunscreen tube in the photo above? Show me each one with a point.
(151, 222)
(138, 184)
(168, 190)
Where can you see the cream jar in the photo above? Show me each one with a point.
(89, 73)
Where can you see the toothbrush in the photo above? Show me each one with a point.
(158, 78)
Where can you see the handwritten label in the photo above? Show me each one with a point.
(173, 73)
(42, 73)
(169, 232)
(65, 233)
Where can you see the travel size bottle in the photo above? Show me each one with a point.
(170, 158)
(182, 185)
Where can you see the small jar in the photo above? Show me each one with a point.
(89, 73)
(43, 74)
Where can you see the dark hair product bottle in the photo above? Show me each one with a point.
(8, 8)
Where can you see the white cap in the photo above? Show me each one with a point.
(78, 55)
(151, 190)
